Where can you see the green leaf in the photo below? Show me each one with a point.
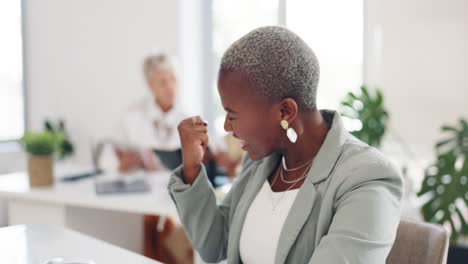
(448, 183)
(348, 104)
(347, 115)
(365, 93)
(61, 126)
(462, 220)
(39, 143)
(448, 128)
(379, 99)
(53, 140)
(373, 116)
(48, 126)
(352, 96)
(463, 124)
(444, 142)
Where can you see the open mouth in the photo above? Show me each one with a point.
(244, 145)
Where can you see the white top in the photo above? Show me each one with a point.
(263, 224)
(144, 125)
(38, 244)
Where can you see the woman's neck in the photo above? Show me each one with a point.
(312, 130)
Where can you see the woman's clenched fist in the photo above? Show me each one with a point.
(193, 134)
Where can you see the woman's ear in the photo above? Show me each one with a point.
(289, 109)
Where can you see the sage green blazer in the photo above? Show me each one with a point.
(346, 211)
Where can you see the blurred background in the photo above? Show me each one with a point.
(80, 61)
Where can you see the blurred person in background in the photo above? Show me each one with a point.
(151, 124)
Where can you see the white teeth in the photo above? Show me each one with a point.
(243, 143)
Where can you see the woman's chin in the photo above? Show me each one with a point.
(254, 156)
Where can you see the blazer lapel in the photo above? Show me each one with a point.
(307, 197)
(300, 211)
(257, 180)
(324, 163)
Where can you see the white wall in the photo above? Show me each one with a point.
(190, 45)
(83, 60)
(417, 53)
(84, 57)
(83, 64)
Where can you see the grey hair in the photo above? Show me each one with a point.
(160, 61)
(278, 63)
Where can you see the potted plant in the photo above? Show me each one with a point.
(445, 188)
(40, 147)
(370, 111)
(65, 147)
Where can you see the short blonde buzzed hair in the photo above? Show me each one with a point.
(278, 62)
(160, 61)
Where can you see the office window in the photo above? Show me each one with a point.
(232, 20)
(11, 71)
(334, 30)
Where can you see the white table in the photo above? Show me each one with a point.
(35, 244)
(113, 218)
(15, 187)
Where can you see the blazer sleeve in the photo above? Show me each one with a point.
(206, 223)
(366, 217)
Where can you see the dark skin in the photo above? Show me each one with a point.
(256, 120)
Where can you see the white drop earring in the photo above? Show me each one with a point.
(290, 132)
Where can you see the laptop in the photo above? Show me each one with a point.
(171, 159)
(95, 153)
(123, 185)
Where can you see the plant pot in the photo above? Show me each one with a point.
(40, 170)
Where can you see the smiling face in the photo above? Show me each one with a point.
(250, 117)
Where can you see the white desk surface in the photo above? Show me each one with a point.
(35, 244)
(82, 194)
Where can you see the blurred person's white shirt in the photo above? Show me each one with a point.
(142, 127)
(145, 126)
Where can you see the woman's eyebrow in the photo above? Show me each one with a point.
(230, 110)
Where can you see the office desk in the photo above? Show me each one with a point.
(35, 244)
(113, 218)
(15, 187)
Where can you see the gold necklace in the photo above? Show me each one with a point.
(283, 193)
(283, 161)
(297, 179)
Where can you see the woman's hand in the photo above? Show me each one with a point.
(128, 160)
(193, 134)
(150, 161)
